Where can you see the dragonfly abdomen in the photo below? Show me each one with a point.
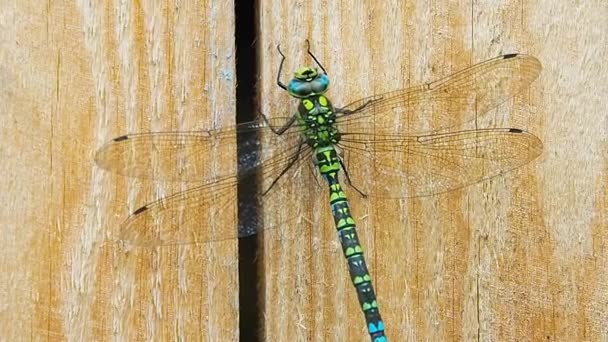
(329, 166)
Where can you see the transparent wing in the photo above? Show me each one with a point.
(444, 103)
(208, 212)
(420, 165)
(194, 156)
(202, 214)
(172, 220)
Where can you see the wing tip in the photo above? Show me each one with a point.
(121, 138)
(515, 130)
(510, 55)
(140, 210)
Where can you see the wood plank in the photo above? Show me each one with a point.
(74, 76)
(519, 257)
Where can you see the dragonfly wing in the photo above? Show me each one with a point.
(444, 103)
(204, 213)
(193, 156)
(412, 166)
(208, 212)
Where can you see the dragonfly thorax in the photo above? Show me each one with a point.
(317, 118)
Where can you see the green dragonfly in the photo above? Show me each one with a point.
(395, 135)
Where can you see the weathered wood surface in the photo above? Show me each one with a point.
(74, 76)
(520, 257)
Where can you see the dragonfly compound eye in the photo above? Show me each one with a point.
(298, 88)
(320, 84)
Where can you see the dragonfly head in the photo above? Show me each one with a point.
(308, 81)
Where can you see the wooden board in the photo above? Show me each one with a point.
(519, 257)
(74, 76)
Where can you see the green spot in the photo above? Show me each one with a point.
(366, 306)
(367, 277)
(325, 168)
(349, 251)
(308, 104)
(358, 249)
(334, 196)
(323, 101)
(357, 280)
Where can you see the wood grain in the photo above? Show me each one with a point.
(74, 76)
(522, 257)
(519, 257)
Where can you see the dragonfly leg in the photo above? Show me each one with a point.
(281, 84)
(353, 111)
(313, 57)
(293, 160)
(282, 129)
(364, 195)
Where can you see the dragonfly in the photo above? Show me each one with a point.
(412, 140)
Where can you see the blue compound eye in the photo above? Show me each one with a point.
(303, 88)
(299, 88)
(320, 84)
